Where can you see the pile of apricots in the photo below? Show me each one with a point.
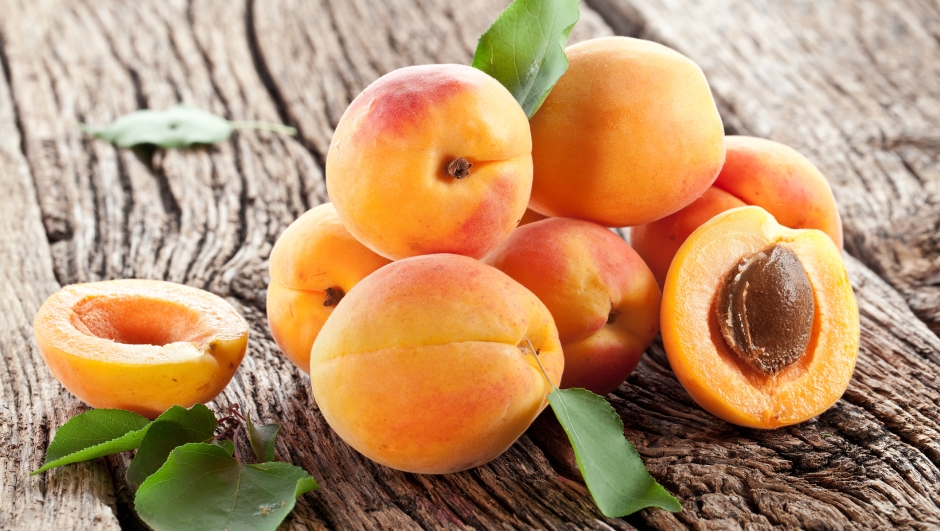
(465, 265)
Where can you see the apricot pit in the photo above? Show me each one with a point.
(767, 340)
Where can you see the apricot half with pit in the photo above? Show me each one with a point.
(433, 364)
(759, 321)
(140, 345)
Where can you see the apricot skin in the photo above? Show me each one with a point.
(314, 253)
(424, 367)
(719, 381)
(756, 172)
(603, 298)
(140, 345)
(386, 166)
(629, 134)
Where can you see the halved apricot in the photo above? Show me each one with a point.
(140, 345)
(734, 304)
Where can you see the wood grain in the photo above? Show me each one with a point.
(32, 403)
(208, 217)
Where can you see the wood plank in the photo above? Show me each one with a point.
(209, 217)
(32, 403)
(853, 85)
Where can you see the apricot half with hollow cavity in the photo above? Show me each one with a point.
(759, 321)
(140, 345)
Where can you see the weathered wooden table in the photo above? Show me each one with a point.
(853, 84)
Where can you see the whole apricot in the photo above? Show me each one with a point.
(433, 364)
(759, 321)
(603, 298)
(313, 264)
(757, 172)
(629, 134)
(431, 159)
(140, 345)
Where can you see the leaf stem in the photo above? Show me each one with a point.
(535, 352)
(265, 126)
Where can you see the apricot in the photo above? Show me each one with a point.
(629, 134)
(603, 298)
(759, 321)
(140, 345)
(757, 172)
(431, 364)
(431, 159)
(313, 264)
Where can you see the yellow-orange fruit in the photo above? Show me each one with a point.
(757, 172)
(715, 375)
(140, 345)
(313, 264)
(431, 159)
(426, 366)
(629, 134)
(603, 298)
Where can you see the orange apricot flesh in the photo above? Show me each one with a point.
(716, 378)
(140, 345)
(603, 298)
(313, 264)
(629, 134)
(428, 365)
(431, 159)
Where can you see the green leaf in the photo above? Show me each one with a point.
(92, 434)
(177, 127)
(525, 48)
(202, 487)
(262, 440)
(175, 427)
(613, 471)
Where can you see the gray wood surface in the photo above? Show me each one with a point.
(851, 84)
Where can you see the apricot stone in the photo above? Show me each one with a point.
(313, 264)
(431, 159)
(603, 298)
(140, 345)
(755, 378)
(757, 172)
(428, 365)
(629, 134)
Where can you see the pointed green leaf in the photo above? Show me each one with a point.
(92, 434)
(613, 471)
(262, 439)
(175, 427)
(525, 48)
(208, 489)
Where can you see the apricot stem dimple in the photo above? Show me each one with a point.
(765, 309)
(333, 296)
(612, 316)
(459, 168)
